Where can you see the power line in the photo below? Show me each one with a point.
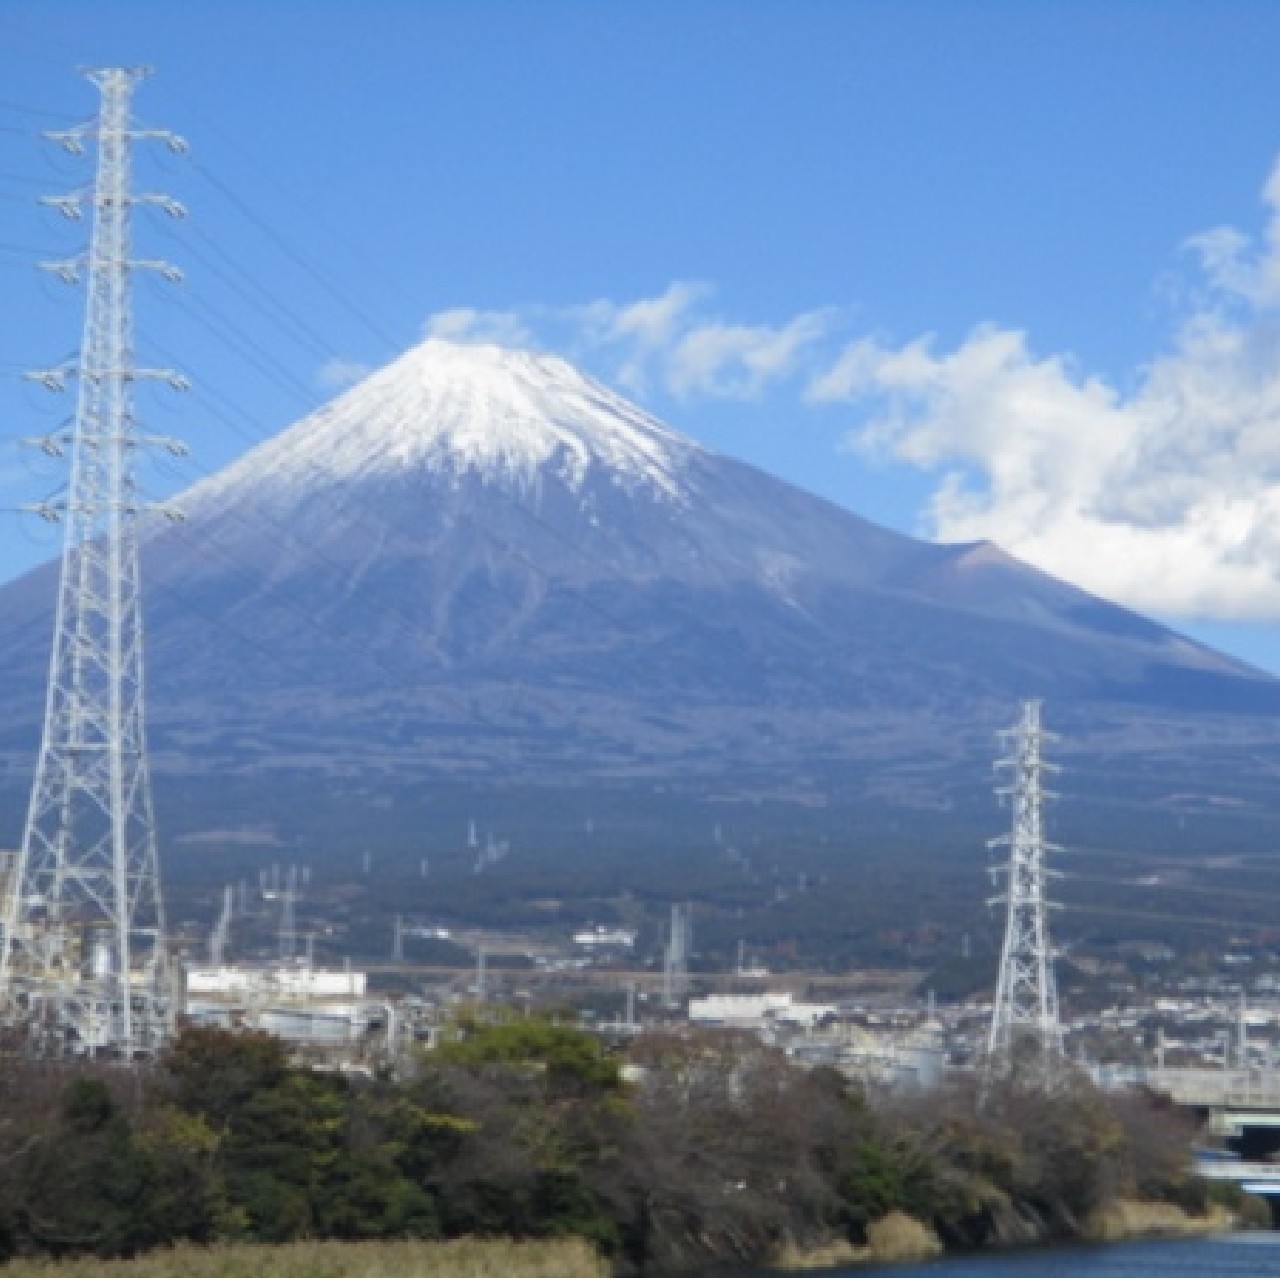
(68, 49)
(255, 436)
(311, 212)
(1117, 855)
(217, 620)
(23, 180)
(1199, 889)
(22, 109)
(404, 680)
(299, 612)
(339, 295)
(281, 377)
(205, 542)
(215, 321)
(254, 294)
(1182, 860)
(286, 381)
(392, 606)
(27, 250)
(227, 333)
(1216, 922)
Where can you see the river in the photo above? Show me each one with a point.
(1248, 1253)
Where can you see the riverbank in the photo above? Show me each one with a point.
(895, 1238)
(1147, 1219)
(566, 1257)
(1253, 1254)
(899, 1238)
(717, 1156)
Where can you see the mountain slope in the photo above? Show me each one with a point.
(480, 562)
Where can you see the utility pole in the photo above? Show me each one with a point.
(1242, 1033)
(83, 958)
(289, 917)
(1025, 1012)
(675, 966)
(221, 929)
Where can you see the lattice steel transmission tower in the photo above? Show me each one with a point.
(1024, 1019)
(83, 964)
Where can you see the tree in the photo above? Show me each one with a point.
(212, 1072)
(89, 1184)
(574, 1061)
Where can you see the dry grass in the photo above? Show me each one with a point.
(465, 1257)
(899, 1238)
(896, 1237)
(822, 1257)
(1131, 1219)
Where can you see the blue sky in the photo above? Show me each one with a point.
(1001, 269)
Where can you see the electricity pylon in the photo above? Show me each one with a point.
(83, 963)
(1024, 1018)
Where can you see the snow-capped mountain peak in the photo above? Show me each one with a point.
(505, 416)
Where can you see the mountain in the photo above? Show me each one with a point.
(480, 564)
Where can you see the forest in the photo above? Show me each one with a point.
(707, 1152)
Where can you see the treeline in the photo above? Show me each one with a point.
(714, 1152)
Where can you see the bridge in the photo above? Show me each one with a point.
(1241, 1108)
(1258, 1177)
(1250, 1090)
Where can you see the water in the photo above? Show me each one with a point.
(1249, 1253)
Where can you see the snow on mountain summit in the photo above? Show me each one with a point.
(503, 415)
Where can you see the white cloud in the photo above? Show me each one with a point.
(337, 373)
(1165, 497)
(467, 324)
(738, 361)
(631, 338)
(654, 322)
(671, 341)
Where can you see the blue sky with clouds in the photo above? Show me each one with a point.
(974, 269)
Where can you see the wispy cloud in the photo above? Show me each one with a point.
(674, 341)
(1165, 496)
(738, 361)
(335, 374)
(467, 324)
